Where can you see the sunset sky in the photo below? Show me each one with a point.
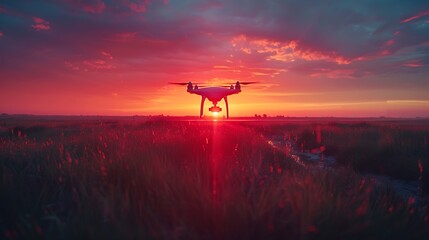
(312, 58)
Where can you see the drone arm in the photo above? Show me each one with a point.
(202, 105)
(226, 104)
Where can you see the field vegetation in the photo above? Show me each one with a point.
(160, 179)
(395, 148)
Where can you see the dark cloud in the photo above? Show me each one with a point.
(41, 24)
(90, 6)
(191, 39)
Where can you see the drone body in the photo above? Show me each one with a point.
(214, 95)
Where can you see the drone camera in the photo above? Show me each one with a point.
(190, 86)
(215, 109)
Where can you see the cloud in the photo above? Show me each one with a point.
(41, 24)
(123, 37)
(284, 51)
(1, 34)
(413, 64)
(107, 54)
(98, 64)
(337, 73)
(137, 6)
(253, 40)
(90, 6)
(71, 65)
(103, 62)
(418, 16)
(120, 7)
(344, 28)
(280, 37)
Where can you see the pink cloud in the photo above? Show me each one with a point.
(2, 9)
(1, 34)
(90, 6)
(241, 71)
(94, 9)
(413, 64)
(137, 6)
(71, 65)
(39, 20)
(284, 51)
(389, 43)
(329, 73)
(422, 14)
(123, 37)
(92, 63)
(98, 64)
(41, 24)
(107, 54)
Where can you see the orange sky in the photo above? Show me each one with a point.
(116, 58)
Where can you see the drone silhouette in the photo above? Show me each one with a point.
(214, 94)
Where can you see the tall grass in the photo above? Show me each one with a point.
(398, 149)
(182, 180)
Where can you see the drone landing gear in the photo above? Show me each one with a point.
(203, 99)
(202, 106)
(226, 104)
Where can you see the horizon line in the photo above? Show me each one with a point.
(206, 117)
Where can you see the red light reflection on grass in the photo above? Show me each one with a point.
(214, 159)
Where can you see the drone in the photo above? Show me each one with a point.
(214, 94)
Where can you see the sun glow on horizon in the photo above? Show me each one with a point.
(128, 70)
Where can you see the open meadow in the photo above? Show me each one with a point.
(161, 178)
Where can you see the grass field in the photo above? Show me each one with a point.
(126, 178)
(396, 148)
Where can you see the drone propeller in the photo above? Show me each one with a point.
(241, 83)
(183, 83)
(178, 83)
(247, 83)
